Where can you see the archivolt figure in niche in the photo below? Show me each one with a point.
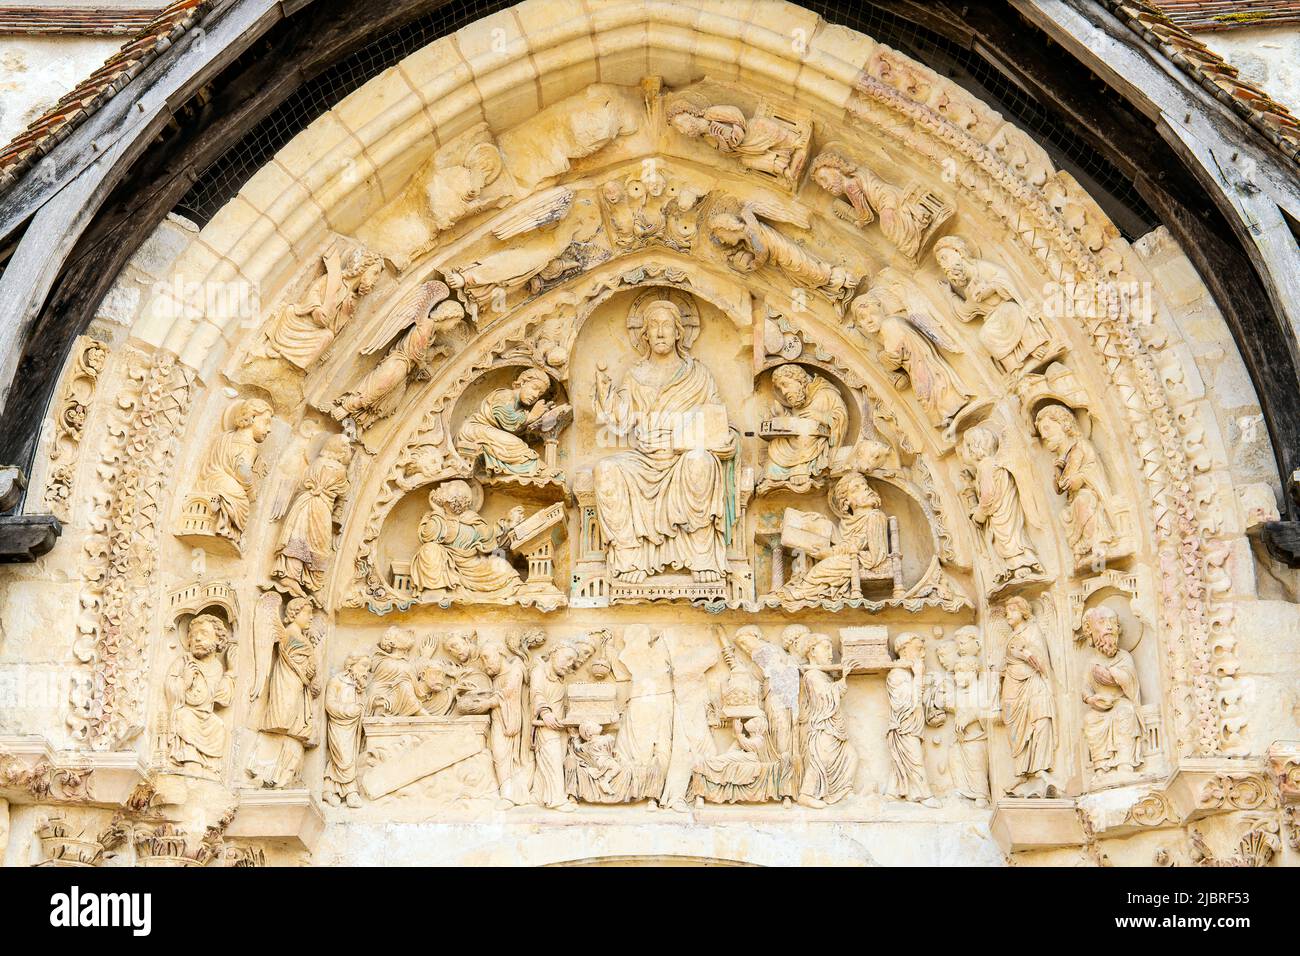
(993, 495)
(911, 340)
(301, 331)
(762, 143)
(1113, 724)
(198, 684)
(226, 477)
(907, 218)
(424, 315)
(307, 538)
(286, 665)
(1013, 335)
(668, 501)
(1080, 477)
(750, 244)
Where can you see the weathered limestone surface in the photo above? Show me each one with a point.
(621, 414)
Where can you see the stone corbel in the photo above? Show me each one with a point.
(1037, 824)
(1200, 788)
(32, 772)
(23, 537)
(292, 815)
(1282, 538)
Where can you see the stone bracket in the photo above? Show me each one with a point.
(24, 538)
(292, 815)
(1037, 824)
(33, 772)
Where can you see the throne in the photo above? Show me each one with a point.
(592, 586)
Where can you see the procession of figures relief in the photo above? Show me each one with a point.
(576, 477)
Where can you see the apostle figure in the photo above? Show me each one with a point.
(492, 432)
(969, 758)
(550, 736)
(994, 496)
(343, 709)
(829, 760)
(292, 691)
(861, 542)
(302, 330)
(670, 500)
(863, 196)
(911, 341)
(904, 687)
(197, 684)
(508, 735)
(456, 545)
(763, 143)
(812, 410)
(392, 690)
(1113, 724)
(1013, 336)
(1080, 477)
(1028, 705)
(307, 536)
(225, 476)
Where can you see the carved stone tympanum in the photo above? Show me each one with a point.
(717, 460)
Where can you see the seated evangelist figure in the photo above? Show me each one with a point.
(670, 499)
(492, 432)
(810, 419)
(456, 545)
(862, 539)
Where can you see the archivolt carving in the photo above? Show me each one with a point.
(658, 353)
(119, 589)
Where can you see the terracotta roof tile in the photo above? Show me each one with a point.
(81, 21)
(1203, 15)
(1212, 72)
(163, 29)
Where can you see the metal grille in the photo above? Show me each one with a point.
(1114, 191)
(218, 184)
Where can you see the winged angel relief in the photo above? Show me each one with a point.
(424, 316)
(559, 230)
(745, 233)
(913, 341)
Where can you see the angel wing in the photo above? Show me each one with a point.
(410, 310)
(267, 629)
(291, 467)
(922, 315)
(775, 210)
(544, 209)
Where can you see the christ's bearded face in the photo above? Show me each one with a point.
(661, 332)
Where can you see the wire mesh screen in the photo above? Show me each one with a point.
(217, 184)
